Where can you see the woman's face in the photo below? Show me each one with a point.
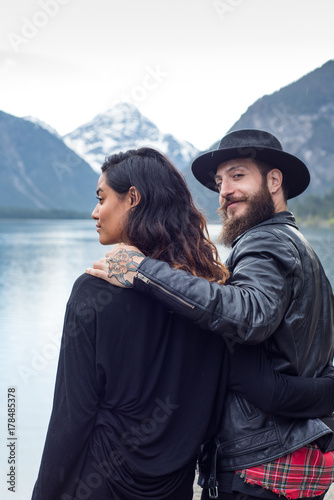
(110, 213)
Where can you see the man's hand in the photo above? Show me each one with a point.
(119, 265)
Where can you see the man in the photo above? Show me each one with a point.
(277, 295)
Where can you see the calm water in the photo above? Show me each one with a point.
(39, 261)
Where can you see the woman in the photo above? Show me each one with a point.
(138, 389)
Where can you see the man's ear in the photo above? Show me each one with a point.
(274, 180)
(134, 196)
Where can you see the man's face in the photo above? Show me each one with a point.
(244, 198)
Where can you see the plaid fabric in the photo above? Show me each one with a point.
(306, 472)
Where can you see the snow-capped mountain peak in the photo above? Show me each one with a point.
(42, 124)
(123, 127)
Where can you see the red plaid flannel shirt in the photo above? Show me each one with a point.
(306, 472)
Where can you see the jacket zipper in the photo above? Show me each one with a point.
(149, 282)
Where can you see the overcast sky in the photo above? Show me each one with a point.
(191, 66)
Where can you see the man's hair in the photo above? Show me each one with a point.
(265, 167)
(164, 224)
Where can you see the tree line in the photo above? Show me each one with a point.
(310, 209)
(314, 209)
(26, 213)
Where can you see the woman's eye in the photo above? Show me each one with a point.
(99, 198)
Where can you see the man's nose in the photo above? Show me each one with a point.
(225, 189)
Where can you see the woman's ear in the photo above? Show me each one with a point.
(134, 196)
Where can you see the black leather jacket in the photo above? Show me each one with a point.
(278, 295)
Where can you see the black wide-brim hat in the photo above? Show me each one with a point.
(257, 145)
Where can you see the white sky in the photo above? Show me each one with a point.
(189, 68)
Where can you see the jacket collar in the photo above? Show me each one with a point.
(285, 217)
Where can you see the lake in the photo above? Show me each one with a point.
(39, 261)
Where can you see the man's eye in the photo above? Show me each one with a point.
(218, 186)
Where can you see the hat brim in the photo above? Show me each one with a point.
(295, 172)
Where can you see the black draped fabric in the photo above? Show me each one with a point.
(138, 389)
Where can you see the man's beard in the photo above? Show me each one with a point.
(260, 208)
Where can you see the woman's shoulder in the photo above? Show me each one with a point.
(87, 287)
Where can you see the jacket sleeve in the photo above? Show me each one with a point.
(249, 307)
(252, 376)
(73, 415)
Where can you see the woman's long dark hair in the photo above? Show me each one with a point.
(164, 224)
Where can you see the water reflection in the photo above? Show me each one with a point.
(39, 261)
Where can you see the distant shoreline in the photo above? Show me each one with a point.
(16, 214)
(21, 213)
(315, 223)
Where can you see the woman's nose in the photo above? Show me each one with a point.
(95, 213)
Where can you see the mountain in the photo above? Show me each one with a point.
(301, 116)
(121, 128)
(39, 172)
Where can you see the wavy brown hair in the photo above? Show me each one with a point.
(165, 224)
